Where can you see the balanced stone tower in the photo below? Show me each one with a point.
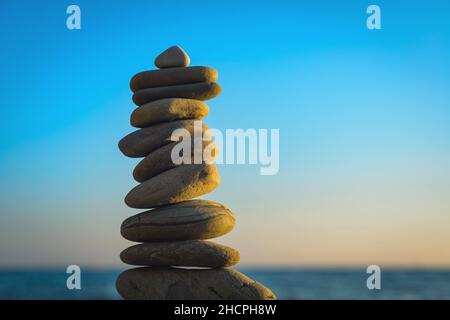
(178, 262)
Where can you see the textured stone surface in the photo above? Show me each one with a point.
(190, 253)
(198, 91)
(181, 284)
(173, 76)
(161, 160)
(142, 142)
(173, 57)
(165, 110)
(188, 220)
(182, 183)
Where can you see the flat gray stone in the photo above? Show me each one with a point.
(182, 183)
(160, 160)
(199, 91)
(173, 57)
(166, 110)
(189, 253)
(173, 76)
(180, 284)
(187, 220)
(142, 142)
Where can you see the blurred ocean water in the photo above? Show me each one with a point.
(286, 284)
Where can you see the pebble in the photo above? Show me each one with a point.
(173, 57)
(161, 160)
(142, 142)
(166, 110)
(173, 76)
(189, 253)
(181, 183)
(199, 91)
(187, 220)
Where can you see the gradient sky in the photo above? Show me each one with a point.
(364, 119)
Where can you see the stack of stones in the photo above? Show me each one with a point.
(179, 263)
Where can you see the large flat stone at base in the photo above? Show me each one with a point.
(187, 284)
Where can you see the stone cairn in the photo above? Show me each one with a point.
(178, 262)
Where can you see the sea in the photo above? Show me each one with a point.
(320, 284)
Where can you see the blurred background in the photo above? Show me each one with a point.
(364, 120)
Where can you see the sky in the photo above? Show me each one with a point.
(364, 120)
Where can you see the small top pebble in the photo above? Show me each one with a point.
(172, 58)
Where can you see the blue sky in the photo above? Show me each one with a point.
(363, 117)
